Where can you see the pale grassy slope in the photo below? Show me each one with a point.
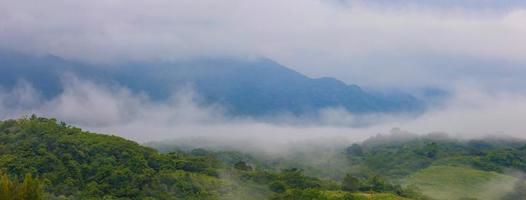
(448, 182)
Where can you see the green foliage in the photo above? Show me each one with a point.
(507, 157)
(294, 178)
(397, 158)
(74, 164)
(78, 164)
(298, 194)
(376, 196)
(278, 186)
(28, 189)
(242, 166)
(351, 183)
(437, 166)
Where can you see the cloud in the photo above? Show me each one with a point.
(474, 112)
(475, 5)
(112, 109)
(373, 43)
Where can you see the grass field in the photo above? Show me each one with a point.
(448, 182)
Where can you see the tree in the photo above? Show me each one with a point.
(297, 194)
(277, 186)
(242, 166)
(29, 189)
(377, 184)
(350, 183)
(355, 150)
(5, 187)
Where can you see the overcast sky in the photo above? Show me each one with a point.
(380, 43)
(471, 46)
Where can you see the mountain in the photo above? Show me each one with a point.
(255, 87)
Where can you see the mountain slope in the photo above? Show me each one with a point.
(74, 164)
(244, 87)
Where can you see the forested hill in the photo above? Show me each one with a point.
(446, 168)
(76, 163)
(59, 161)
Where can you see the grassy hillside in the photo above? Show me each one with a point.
(449, 182)
(441, 167)
(396, 157)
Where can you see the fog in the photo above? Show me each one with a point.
(474, 48)
(378, 43)
(471, 112)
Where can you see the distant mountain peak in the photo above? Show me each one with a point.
(254, 87)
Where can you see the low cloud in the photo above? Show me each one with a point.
(115, 110)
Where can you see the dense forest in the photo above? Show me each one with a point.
(42, 158)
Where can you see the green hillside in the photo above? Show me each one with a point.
(448, 182)
(441, 167)
(80, 165)
(44, 159)
(396, 157)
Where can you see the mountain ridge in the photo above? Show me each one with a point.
(256, 87)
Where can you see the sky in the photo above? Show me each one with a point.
(476, 49)
(378, 44)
